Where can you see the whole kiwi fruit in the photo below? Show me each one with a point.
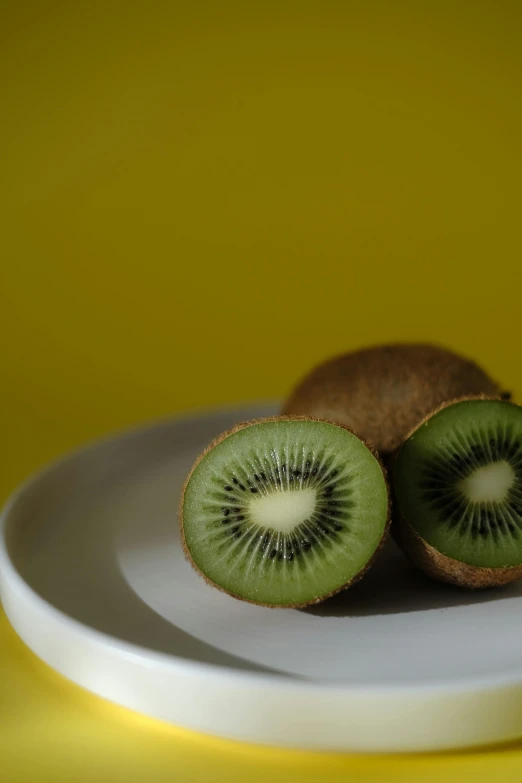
(384, 391)
(457, 481)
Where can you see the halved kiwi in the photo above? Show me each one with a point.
(458, 485)
(284, 511)
(382, 392)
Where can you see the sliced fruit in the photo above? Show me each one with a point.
(458, 487)
(284, 511)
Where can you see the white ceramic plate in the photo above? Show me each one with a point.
(93, 579)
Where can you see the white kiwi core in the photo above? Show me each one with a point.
(283, 510)
(488, 483)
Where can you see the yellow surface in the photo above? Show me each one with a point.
(199, 201)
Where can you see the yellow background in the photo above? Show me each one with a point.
(201, 200)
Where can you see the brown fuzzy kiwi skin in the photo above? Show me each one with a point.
(299, 605)
(434, 563)
(446, 569)
(383, 391)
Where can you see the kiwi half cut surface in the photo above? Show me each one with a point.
(284, 511)
(458, 487)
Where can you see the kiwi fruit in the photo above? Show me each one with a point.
(457, 481)
(284, 511)
(382, 392)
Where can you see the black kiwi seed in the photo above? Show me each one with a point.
(305, 545)
(228, 488)
(254, 490)
(226, 512)
(433, 484)
(235, 480)
(273, 553)
(234, 530)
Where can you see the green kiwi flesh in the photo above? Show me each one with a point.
(384, 391)
(284, 511)
(458, 487)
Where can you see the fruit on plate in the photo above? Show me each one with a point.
(284, 511)
(457, 481)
